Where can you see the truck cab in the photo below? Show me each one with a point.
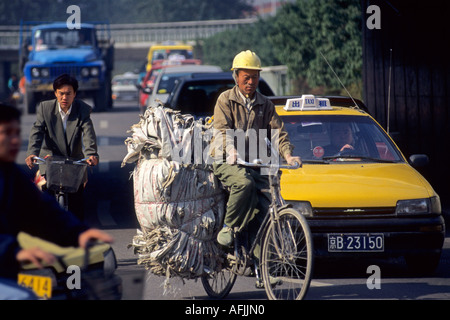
(49, 50)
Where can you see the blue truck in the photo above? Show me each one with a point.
(48, 50)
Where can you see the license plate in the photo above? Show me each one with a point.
(41, 286)
(355, 242)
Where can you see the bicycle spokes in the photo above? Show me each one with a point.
(287, 257)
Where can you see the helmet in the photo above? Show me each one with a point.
(246, 60)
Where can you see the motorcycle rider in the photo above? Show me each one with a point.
(24, 208)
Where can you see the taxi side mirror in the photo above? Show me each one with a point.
(419, 160)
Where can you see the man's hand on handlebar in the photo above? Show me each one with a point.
(92, 161)
(293, 160)
(30, 161)
(94, 234)
(36, 256)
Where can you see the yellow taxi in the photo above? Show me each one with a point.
(165, 50)
(359, 193)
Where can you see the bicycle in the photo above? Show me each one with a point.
(63, 176)
(286, 259)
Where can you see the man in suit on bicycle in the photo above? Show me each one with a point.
(64, 127)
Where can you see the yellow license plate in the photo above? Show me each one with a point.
(41, 286)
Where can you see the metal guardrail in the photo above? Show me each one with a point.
(146, 32)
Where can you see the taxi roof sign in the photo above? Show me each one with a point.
(307, 102)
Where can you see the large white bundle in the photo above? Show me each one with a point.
(179, 207)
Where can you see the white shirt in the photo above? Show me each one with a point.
(248, 102)
(64, 116)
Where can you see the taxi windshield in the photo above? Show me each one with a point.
(327, 138)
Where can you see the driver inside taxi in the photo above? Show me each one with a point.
(341, 137)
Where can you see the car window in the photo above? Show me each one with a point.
(163, 54)
(167, 82)
(323, 137)
(199, 97)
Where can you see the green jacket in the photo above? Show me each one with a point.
(230, 112)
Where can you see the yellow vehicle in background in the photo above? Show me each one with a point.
(168, 51)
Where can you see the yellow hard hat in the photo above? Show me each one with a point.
(246, 60)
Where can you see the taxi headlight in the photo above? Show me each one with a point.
(304, 207)
(413, 206)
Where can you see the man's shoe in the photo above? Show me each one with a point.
(225, 236)
(274, 281)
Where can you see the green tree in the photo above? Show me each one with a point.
(296, 37)
(221, 49)
(305, 29)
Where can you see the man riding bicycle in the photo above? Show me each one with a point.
(243, 108)
(64, 127)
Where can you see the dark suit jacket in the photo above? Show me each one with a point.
(47, 134)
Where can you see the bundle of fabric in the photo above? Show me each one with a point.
(179, 205)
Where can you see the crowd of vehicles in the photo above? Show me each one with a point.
(366, 200)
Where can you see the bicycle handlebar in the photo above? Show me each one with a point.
(258, 164)
(42, 161)
(39, 159)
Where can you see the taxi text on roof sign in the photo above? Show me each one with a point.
(307, 102)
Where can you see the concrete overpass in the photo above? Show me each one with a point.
(131, 40)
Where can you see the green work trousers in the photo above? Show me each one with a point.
(247, 201)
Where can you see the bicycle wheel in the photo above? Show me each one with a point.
(287, 257)
(218, 284)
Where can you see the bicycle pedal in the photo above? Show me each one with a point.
(259, 284)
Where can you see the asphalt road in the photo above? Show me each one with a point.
(109, 206)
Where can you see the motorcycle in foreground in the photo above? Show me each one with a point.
(78, 274)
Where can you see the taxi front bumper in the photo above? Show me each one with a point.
(401, 235)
